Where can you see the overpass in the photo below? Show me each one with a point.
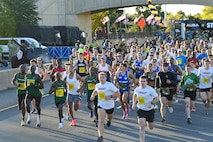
(78, 12)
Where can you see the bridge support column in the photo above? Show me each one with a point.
(83, 21)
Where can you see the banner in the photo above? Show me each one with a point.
(105, 20)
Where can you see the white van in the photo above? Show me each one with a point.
(4, 42)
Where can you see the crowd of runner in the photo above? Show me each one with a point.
(155, 70)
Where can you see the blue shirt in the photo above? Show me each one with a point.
(123, 82)
(181, 60)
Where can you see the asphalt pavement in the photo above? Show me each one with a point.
(175, 130)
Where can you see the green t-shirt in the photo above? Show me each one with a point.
(188, 82)
(91, 81)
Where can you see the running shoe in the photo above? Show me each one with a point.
(68, 117)
(29, 119)
(189, 121)
(22, 123)
(91, 114)
(79, 103)
(38, 124)
(108, 123)
(119, 107)
(124, 116)
(163, 120)
(193, 109)
(100, 139)
(60, 126)
(176, 101)
(170, 109)
(73, 123)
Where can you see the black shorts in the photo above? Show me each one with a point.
(108, 111)
(30, 98)
(190, 94)
(21, 101)
(205, 90)
(60, 103)
(148, 115)
(169, 96)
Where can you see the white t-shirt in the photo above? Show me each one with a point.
(195, 71)
(106, 89)
(145, 97)
(205, 77)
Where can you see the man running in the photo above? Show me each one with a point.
(34, 84)
(146, 97)
(106, 92)
(19, 81)
(60, 92)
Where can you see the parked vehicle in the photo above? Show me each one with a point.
(21, 50)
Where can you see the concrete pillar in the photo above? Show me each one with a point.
(83, 21)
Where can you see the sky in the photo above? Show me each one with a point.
(171, 8)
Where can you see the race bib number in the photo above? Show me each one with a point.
(123, 86)
(81, 69)
(91, 86)
(59, 92)
(21, 86)
(151, 76)
(101, 96)
(179, 61)
(206, 80)
(30, 81)
(94, 64)
(141, 101)
(71, 86)
(165, 91)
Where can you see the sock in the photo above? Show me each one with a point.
(29, 116)
(38, 119)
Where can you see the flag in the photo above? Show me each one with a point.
(150, 18)
(120, 18)
(141, 23)
(126, 20)
(105, 20)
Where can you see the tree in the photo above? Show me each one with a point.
(207, 13)
(7, 21)
(23, 11)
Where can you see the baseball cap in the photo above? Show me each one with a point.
(104, 57)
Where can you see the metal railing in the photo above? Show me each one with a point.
(121, 35)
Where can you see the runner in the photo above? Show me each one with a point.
(106, 92)
(123, 80)
(75, 85)
(60, 93)
(21, 90)
(189, 83)
(205, 74)
(34, 84)
(165, 83)
(146, 97)
(90, 82)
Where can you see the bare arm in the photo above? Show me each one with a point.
(14, 79)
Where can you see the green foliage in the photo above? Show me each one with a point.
(23, 11)
(207, 13)
(15, 13)
(7, 21)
